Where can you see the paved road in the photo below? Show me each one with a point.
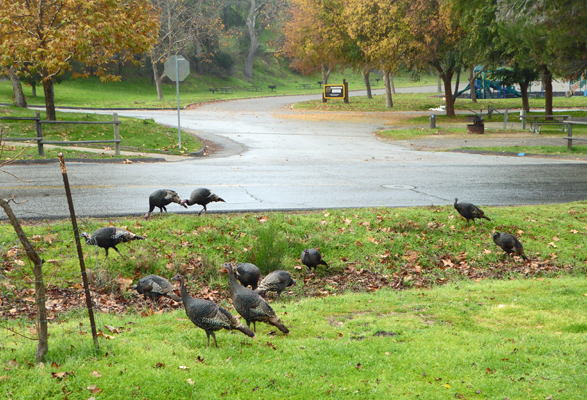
(275, 158)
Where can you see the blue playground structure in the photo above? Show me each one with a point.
(487, 89)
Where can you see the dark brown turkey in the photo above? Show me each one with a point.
(109, 237)
(469, 211)
(155, 286)
(276, 281)
(247, 274)
(201, 196)
(311, 258)
(251, 306)
(510, 244)
(209, 316)
(162, 197)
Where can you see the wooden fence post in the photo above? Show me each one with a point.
(116, 134)
(39, 134)
(505, 120)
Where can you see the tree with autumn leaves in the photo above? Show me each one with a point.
(46, 36)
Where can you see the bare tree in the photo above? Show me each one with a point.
(43, 344)
(259, 16)
(174, 35)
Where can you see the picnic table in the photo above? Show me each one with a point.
(570, 138)
(226, 90)
(253, 88)
(537, 121)
(305, 86)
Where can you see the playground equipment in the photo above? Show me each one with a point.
(488, 89)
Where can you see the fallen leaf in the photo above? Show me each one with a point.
(96, 391)
(359, 366)
(190, 381)
(61, 375)
(446, 385)
(184, 367)
(96, 374)
(111, 328)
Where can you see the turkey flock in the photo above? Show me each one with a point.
(247, 289)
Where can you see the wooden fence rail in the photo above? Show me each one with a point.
(39, 137)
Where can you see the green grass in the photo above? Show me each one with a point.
(140, 92)
(382, 240)
(550, 150)
(488, 340)
(474, 337)
(425, 101)
(141, 136)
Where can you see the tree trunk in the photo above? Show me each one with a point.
(391, 76)
(254, 38)
(43, 344)
(49, 99)
(19, 99)
(366, 74)
(325, 74)
(34, 89)
(524, 91)
(387, 82)
(157, 79)
(446, 76)
(199, 68)
(547, 82)
(439, 90)
(472, 79)
(457, 85)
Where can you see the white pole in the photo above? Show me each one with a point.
(177, 90)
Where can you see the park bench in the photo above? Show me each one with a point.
(305, 86)
(570, 138)
(253, 88)
(538, 121)
(226, 90)
(213, 90)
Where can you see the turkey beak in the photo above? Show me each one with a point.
(183, 203)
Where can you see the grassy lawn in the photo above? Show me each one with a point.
(141, 136)
(466, 323)
(550, 150)
(425, 101)
(136, 93)
(488, 340)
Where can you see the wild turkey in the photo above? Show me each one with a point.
(209, 316)
(155, 286)
(109, 237)
(275, 281)
(469, 211)
(311, 258)
(510, 244)
(247, 274)
(162, 197)
(202, 197)
(251, 306)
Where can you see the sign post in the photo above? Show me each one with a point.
(177, 69)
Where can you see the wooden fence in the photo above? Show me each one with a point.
(40, 141)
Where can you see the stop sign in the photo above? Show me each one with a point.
(179, 72)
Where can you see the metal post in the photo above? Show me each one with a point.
(40, 147)
(177, 90)
(505, 120)
(523, 117)
(433, 121)
(570, 135)
(80, 254)
(116, 134)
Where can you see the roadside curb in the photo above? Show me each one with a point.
(510, 154)
(91, 160)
